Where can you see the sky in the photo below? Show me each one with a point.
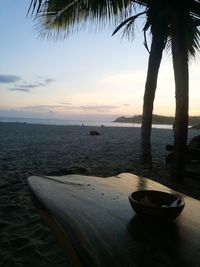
(90, 75)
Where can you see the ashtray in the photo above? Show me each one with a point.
(156, 205)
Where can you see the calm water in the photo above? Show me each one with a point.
(77, 122)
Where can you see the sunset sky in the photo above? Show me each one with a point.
(89, 75)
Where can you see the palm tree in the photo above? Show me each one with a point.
(180, 26)
(157, 21)
(155, 56)
(166, 19)
(184, 43)
(69, 14)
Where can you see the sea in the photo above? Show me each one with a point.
(77, 122)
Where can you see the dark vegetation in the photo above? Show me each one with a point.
(157, 119)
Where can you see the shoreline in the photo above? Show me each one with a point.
(52, 122)
(31, 149)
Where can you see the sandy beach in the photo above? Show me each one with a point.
(28, 149)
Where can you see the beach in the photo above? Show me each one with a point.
(31, 149)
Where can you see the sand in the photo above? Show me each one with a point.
(27, 150)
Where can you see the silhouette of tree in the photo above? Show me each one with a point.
(170, 22)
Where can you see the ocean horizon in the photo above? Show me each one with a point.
(66, 122)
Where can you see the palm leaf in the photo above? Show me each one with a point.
(130, 20)
(55, 17)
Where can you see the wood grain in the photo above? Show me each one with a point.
(94, 222)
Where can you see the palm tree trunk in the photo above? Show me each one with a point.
(149, 95)
(181, 74)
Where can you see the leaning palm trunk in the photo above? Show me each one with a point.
(180, 64)
(149, 95)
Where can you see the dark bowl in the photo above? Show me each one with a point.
(156, 205)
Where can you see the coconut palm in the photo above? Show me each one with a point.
(181, 27)
(71, 13)
(166, 19)
(157, 22)
(184, 43)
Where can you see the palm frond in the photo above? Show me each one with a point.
(129, 20)
(59, 18)
(35, 6)
(193, 40)
(55, 17)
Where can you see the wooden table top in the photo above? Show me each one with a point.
(96, 226)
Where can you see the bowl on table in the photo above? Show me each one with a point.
(156, 205)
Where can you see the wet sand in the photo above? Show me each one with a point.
(27, 149)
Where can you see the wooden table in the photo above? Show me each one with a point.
(96, 225)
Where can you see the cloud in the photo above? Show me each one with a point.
(127, 105)
(48, 80)
(9, 78)
(41, 107)
(20, 89)
(26, 87)
(65, 103)
(98, 108)
(29, 86)
(86, 108)
(36, 84)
